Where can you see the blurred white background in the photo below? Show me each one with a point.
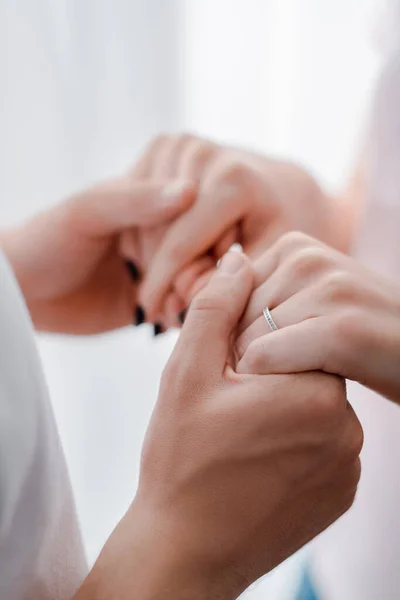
(85, 84)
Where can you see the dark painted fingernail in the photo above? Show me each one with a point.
(133, 271)
(182, 316)
(140, 315)
(158, 330)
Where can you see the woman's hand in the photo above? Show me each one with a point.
(70, 259)
(242, 198)
(237, 471)
(333, 315)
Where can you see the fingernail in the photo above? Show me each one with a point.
(158, 330)
(231, 263)
(182, 316)
(174, 190)
(133, 271)
(140, 315)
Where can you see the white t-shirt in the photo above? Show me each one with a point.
(41, 555)
(358, 558)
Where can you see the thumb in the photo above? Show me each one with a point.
(121, 204)
(215, 313)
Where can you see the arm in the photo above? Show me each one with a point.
(350, 205)
(70, 260)
(230, 485)
(139, 561)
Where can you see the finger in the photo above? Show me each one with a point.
(129, 247)
(217, 209)
(173, 306)
(227, 240)
(186, 279)
(197, 158)
(199, 284)
(214, 314)
(300, 307)
(298, 271)
(121, 204)
(169, 158)
(286, 245)
(143, 169)
(294, 349)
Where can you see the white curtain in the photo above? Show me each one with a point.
(84, 85)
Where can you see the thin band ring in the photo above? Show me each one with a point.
(268, 317)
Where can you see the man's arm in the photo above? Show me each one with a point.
(237, 472)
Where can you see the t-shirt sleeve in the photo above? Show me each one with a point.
(41, 554)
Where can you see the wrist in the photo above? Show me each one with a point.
(10, 245)
(343, 224)
(148, 558)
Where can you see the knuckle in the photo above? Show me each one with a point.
(348, 501)
(328, 402)
(354, 437)
(234, 175)
(232, 171)
(156, 142)
(184, 139)
(309, 261)
(338, 286)
(176, 253)
(199, 151)
(210, 300)
(293, 239)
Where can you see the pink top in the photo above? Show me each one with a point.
(358, 558)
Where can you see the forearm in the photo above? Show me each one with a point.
(27, 278)
(350, 205)
(141, 560)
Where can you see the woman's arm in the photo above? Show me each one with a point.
(70, 260)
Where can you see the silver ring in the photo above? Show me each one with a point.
(268, 317)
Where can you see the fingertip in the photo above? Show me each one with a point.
(199, 285)
(172, 308)
(231, 263)
(140, 315)
(182, 316)
(133, 271)
(157, 329)
(179, 193)
(189, 275)
(151, 302)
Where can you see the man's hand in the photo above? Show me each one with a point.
(238, 471)
(70, 259)
(242, 198)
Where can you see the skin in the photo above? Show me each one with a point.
(299, 440)
(237, 471)
(242, 197)
(70, 260)
(333, 315)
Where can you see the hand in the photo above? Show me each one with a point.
(242, 197)
(238, 471)
(69, 260)
(333, 315)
